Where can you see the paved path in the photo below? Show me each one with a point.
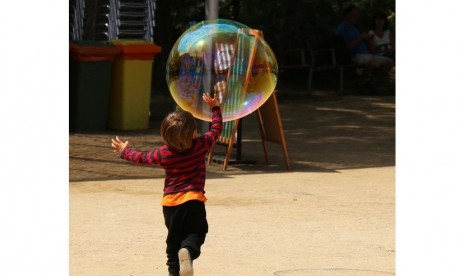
(333, 214)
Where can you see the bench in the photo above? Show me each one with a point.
(320, 54)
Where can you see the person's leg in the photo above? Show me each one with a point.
(187, 228)
(361, 59)
(367, 60)
(193, 243)
(381, 81)
(196, 228)
(365, 85)
(172, 249)
(384, 62)
(173, 240)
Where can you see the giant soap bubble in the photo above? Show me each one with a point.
(226, 57)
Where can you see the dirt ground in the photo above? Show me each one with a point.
(332, 214)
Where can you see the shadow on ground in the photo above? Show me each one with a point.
(323, 133)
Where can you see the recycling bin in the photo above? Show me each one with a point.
(131, 85)
(90, 67)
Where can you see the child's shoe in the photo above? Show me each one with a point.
(185, 263)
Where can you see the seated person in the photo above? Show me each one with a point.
(355, 41)
(382, 40)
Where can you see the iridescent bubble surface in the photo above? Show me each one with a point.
(226, 57)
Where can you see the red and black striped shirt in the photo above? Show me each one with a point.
(184, 171)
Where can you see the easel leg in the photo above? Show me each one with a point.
(288, 165)
(228, 154)
(262, 133)
(230, 144)
(210, 155)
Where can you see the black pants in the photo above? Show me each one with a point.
(187, 227)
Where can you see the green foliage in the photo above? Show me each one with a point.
(285, 24)
(288, 24)
(185, 11)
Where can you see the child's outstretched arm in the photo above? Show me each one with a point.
(217, 119)
(212, 102)
(126, 153)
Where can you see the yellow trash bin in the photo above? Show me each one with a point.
(131, 85)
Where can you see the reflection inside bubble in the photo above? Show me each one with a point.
(222, 57)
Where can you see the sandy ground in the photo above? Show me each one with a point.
(332, 214)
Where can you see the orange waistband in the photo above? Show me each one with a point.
(181, 197)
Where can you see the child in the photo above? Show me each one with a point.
(183, 158)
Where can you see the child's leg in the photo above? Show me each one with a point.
(195, 228)
(193, 242)
(173, 241)
(187, 227)
(172, 247)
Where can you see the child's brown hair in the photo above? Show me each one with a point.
(177, 130)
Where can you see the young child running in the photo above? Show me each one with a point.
(183, 159)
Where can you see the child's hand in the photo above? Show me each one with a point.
(118, 146)
(209, 100)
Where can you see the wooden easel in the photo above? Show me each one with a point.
(271, 128)
(267, 114)
(228, 135)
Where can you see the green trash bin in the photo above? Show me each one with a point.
(90, 65)
(131, 85)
